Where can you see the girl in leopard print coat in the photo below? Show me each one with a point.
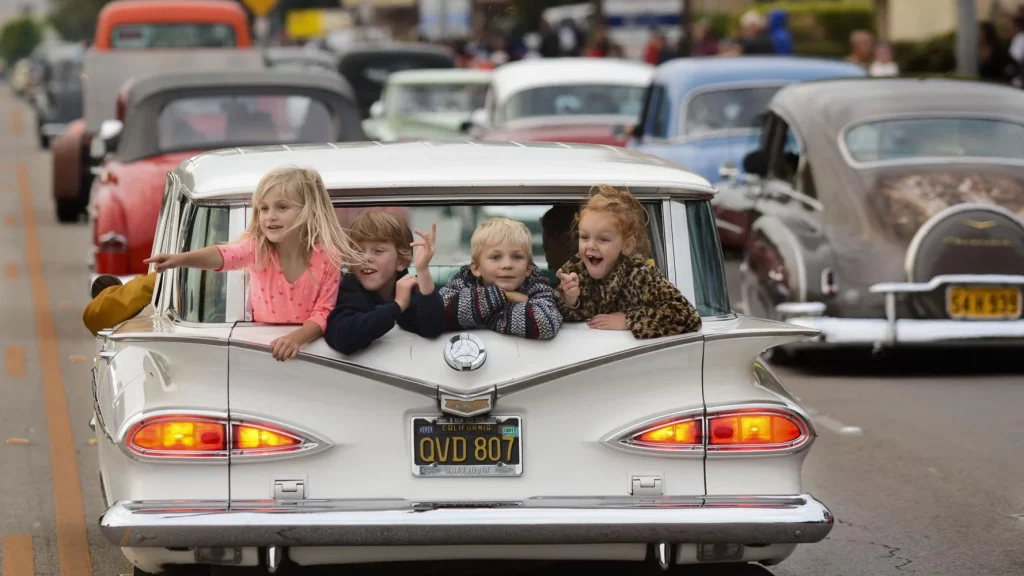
(611, 283)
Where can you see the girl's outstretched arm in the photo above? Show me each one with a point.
(208, 258)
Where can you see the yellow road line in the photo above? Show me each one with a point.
(14, 361)
(72, 544)
(10, 271)
(18, 557)
(10, 221)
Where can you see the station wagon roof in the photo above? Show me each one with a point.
(461, 167)
(439, 76)
(833, 104)
(689, 73)
(276, 78)
(525, 74)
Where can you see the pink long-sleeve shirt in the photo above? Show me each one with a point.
(276, 301)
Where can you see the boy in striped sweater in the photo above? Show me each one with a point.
(502, 289)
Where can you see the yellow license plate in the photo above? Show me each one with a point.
(988, 303)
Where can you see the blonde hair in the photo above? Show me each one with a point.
(317, 222)
(628, 211)
(500, 232)
(384, 227)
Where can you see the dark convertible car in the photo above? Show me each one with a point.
(887, 212)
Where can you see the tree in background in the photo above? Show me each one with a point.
(18, 38)
(75, 20)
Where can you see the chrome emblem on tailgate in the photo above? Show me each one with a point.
(465, 352)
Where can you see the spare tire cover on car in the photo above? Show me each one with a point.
(964, 239)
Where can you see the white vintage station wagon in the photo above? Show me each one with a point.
(471, 446)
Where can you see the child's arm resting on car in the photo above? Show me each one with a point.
(537, 318)
(469, 305)
(355, 322)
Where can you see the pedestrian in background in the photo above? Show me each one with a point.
(994, 62)
(753, 39)
(778, 31)
(862, 48)
(883, 64)
(705, 43)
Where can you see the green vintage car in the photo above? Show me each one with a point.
(427, 104)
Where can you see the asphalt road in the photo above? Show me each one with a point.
(920, 457)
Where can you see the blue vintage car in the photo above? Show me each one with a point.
(704, 112)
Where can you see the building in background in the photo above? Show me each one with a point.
(917, 20)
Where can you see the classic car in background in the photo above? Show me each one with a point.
(139, 37)
(583, 100)
(892, 217)
(427, 104)
(706, 114)
(57, 98)
(174, 116)
(696, 462)
(367, 65)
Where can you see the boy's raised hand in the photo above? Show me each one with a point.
(570, 286)
(163, 261)
(425, 248)
(421, 259)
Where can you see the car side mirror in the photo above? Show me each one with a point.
(106, 140)
(377, 109)
(756, 163)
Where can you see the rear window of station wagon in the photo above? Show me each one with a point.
(202, 294)
(177, 35)
(900, 138)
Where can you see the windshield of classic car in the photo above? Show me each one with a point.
(732, 109)
(591, 99)
(935, 137)
(215, 121)
(410, 99)
(144, 36)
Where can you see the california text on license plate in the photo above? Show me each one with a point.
(467, 446)
(977, 302)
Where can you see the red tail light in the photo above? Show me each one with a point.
(756, 429)
(745, 429)
(207, 437)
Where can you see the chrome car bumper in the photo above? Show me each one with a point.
(894, 331)
(672, 519)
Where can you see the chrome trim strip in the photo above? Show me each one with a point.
(762, 333)
(97, 412)
(903, 287)
(152, 337)
(539, 520)
(401, 382)
(531, 381)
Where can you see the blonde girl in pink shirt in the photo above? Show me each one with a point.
(294, 250)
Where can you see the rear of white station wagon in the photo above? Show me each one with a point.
(594, 445)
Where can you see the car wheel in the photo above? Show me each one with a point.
(68, 209)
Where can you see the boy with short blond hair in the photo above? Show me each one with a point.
(375, 296)
(502, 289)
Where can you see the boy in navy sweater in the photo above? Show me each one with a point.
(373, 297)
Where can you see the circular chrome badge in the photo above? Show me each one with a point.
(465, 352)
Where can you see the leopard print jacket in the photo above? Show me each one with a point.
(653, 306)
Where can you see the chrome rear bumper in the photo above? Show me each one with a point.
(673, 519)
(894, 331)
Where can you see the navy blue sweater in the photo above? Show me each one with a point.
(361, 316)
